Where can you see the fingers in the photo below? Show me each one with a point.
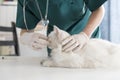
(69, 44)
(36, 46)
(41, 42)
(67, 40)
(72, 47)
(77, 48)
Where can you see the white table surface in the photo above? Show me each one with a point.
(28, 68)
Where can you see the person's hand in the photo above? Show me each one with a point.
(74, 42)
(35, 40)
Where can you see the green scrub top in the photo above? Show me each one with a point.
(69, 15)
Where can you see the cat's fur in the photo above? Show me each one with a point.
(96, 53)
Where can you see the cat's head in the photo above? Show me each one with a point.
(56, 36)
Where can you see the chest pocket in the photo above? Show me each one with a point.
(72, 9)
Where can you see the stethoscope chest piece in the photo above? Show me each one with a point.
(42, 25)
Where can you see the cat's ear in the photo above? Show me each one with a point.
(58, 33)
(56, 30)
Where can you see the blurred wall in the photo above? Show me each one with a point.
(110, 26)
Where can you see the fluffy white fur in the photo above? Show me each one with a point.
(96, 53)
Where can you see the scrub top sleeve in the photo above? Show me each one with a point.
(94, 4)
(31, 20)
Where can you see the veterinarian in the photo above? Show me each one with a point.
(80, 18)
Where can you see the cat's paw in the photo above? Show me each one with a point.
(47, 63)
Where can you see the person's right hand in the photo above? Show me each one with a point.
(35, 40)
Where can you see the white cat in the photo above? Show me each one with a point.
(96, 53)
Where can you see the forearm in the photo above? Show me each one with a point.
(94, 21)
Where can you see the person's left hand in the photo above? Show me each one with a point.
(74, 42)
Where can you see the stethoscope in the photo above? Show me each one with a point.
(24, 16)
(44, 21)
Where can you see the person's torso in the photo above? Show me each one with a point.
(66, 14)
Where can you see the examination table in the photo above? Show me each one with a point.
(28, 68)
